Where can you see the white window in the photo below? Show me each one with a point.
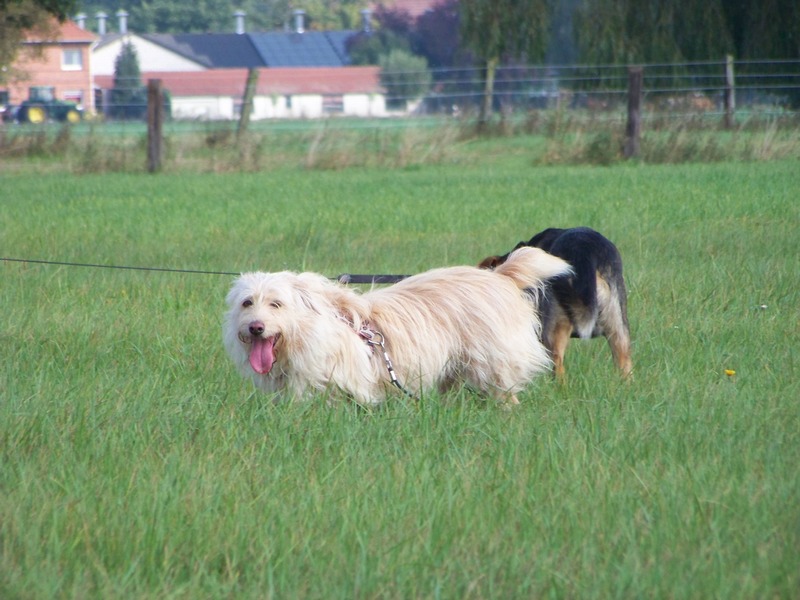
(71, 60)
(332, 103)
(75, 96)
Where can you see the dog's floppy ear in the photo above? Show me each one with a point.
(348, 304)
(309, 289)
(323, 296)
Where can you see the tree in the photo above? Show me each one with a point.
(766, 29)
(405, 77)
(19, 18)
(393, 33)
(680, 31)
(436, 35)
(503, 29)
(129, 96)
(60, 9)
(331, 14)
(636, 31)
(203, 16)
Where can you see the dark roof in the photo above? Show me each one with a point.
(307, 49)
(213, 50)
(252, 50)
(338, 40)
(108, 38)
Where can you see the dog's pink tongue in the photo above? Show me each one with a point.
(261, 355)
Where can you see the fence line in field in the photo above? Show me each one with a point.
(701, 89)
(547, 88)
(771, 84)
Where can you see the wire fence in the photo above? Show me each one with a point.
(767, 87)
(772, 86)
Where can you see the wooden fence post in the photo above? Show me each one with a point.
(634, 127)
(247, 102)
(155, 122)
(730, 98)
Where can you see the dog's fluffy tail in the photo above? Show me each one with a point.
(531, 267)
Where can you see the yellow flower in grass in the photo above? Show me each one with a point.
(730, 372)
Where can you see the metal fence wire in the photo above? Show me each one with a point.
(772, 85)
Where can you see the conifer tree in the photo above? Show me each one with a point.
(128, 97)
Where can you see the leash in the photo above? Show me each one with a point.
(123, 267)
(370, 337)
(373, 279)
(345, 278)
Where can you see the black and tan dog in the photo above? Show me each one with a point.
(590, 303)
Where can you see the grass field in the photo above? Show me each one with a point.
(136, 464)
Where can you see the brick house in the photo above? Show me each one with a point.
(62, 63)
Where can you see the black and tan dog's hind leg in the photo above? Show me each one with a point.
(612, 320)
(571, 308)
(580, 310)
(556, 332)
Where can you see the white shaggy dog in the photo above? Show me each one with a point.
(300, 333)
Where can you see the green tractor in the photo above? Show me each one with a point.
(42, 106)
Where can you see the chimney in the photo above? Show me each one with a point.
(80, 19)
(239, 16)
(101, 22)
(122, 19)
(299, 26)
(366, 17)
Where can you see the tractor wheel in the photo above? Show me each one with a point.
(73, 116)
(36, 114)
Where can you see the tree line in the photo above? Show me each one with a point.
(563, 31)
(481, 34)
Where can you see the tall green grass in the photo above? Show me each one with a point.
(546, 137)
(135, 463)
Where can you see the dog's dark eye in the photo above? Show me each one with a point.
(275, 304)
(247, 303)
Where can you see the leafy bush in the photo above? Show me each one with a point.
(404, 76)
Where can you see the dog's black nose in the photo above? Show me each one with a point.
(256, 327)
